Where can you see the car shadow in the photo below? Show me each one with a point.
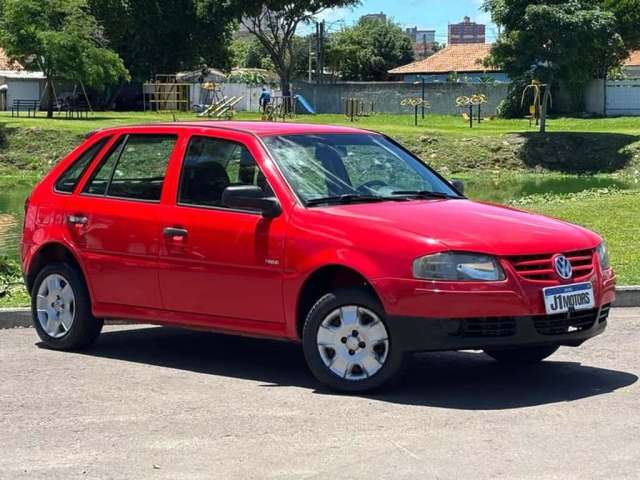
(455, 380)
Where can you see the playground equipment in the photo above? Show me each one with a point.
(415, 103)
(306, 106)
(224, 108)
(469, 102)
(279, 108)
(165, 93)
(541, 93)
(358, 107)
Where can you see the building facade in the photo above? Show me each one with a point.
(466, 32)
(422, 40)
(374, 16)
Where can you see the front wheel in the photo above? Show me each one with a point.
(347, 344)
(522, 354)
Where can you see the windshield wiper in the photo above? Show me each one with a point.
(347, 198)
(423, 194)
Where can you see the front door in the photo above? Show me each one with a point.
(114, 221)
(216, 261)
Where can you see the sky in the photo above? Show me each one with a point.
(427, 14)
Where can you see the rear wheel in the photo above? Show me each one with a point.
(522, 354)
(347, 344)
(61, 308)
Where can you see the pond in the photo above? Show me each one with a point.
(498, 189)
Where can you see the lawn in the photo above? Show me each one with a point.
(586, 171)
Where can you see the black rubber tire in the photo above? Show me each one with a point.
(324, 306)
(85, 328)
(523, 354)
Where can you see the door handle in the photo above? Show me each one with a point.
(77, 220)
(175, 232)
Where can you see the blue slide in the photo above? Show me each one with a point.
(306, 106)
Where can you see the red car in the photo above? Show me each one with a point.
(335, 237)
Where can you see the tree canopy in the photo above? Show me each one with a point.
(369, 49)
(570, 40)
(274, 24)
(60, 38)
(165, 37)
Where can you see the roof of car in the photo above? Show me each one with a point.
(255, 127)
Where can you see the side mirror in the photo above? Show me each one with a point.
(458, 185)
(250, 197)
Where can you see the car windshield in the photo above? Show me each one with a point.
(345, 168)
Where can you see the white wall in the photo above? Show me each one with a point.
(28, 89)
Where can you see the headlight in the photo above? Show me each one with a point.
(603, 256)
(458, 266)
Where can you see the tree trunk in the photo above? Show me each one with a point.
(50, 99)
(286, 91)
(543, 110)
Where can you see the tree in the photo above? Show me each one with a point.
(627, 13)
(274, 24)
(61, 39)
(369, 49)
(156, 37)
(552, 41)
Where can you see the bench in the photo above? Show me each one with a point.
(28, 106)
(77, 109)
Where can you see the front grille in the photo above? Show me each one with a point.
(488, 327)
(568, 322)
(540, 267)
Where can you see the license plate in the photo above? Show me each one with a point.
(578, 296)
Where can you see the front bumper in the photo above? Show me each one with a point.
(428, 334)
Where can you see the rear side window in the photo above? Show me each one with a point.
(135, 168)
(69, 179)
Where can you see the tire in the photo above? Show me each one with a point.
(522, 355)
(61, 308)
(358, 367)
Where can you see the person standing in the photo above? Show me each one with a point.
(265, 100)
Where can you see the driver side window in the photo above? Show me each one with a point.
(211, 165)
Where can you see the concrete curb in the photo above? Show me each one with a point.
(21, 317)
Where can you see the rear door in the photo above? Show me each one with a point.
(114, 219)
(215, 261)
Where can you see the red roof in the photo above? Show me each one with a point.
(453, 58)
(633, 60)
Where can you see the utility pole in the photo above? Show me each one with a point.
(320, 52)
(310, 54)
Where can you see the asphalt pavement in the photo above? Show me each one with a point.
(161, 403)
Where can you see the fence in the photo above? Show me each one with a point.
(386, 96)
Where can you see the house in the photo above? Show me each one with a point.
(631, 66)
(464, 60)
(16, 83)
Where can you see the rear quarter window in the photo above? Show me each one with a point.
(67, 182)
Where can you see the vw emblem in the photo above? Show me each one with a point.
(563, 267)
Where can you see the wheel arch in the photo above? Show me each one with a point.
(323, 280)
(48, 253)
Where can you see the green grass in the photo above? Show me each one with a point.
(502, 160)
(613, 215)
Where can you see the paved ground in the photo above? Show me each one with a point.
(150, 402)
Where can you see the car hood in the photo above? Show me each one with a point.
(465, 225)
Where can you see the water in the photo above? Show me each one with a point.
(499, 190)
(11, 214)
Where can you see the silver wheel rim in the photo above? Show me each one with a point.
(353, 342)
(56, 305)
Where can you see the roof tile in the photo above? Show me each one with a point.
(453, 58)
